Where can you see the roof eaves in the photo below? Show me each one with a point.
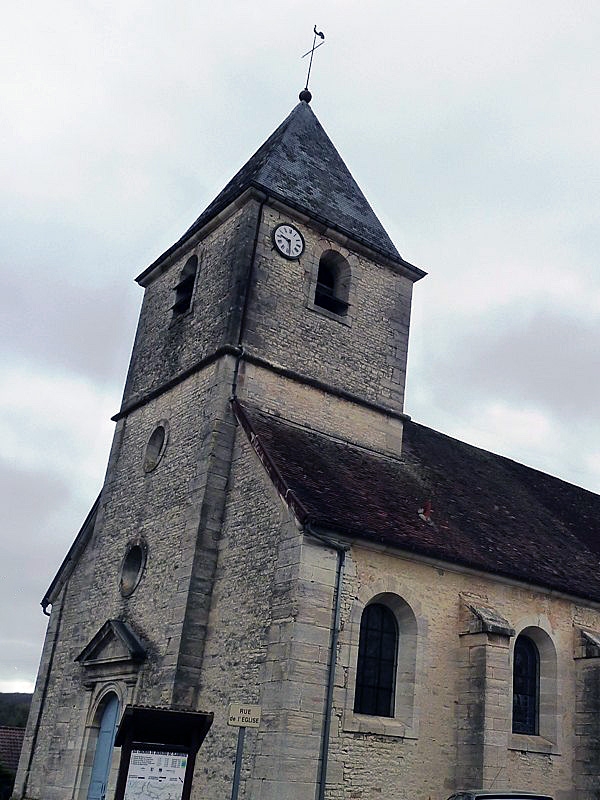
(351, 235)
(221, 213)
(431, 556)
(257, 189)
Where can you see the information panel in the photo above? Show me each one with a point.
(158, 774)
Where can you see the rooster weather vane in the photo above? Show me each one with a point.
(305, 94)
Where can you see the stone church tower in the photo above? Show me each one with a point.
(262, 524)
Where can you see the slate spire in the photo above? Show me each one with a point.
(299, 165)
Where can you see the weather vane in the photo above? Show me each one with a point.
(305, 94)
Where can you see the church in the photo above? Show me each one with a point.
(411, 615)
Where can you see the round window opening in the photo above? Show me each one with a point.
(156, 446)
(132, 568)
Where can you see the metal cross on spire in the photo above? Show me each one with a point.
(305, 94)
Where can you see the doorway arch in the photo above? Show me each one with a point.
(107, 716)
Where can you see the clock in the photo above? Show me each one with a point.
(288, 241)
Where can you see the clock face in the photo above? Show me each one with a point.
(288, 241)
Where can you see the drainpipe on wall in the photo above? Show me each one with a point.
(341, 550)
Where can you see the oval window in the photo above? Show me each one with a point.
(132, 567)
(156, 446)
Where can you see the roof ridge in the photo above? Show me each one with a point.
(508, 459)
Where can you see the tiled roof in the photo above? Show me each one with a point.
(299, 165)
(11, 741)
(443, 499)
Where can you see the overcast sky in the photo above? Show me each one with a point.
(472, 127)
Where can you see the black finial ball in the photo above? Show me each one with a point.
(305, 96)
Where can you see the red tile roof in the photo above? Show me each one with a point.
(444, 499)
(11, 741)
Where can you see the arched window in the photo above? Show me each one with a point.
(377, 659)
(333, 283)
(184, 289)
(107, 716)
(526, 687)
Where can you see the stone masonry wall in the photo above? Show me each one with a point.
(366, 356)
(165, 347)
(40, 715)
(319, 410)
(252, 609)
(483, 714)
(385, 764)
(587, 730)
(165, 507)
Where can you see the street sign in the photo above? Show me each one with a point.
(243, 716)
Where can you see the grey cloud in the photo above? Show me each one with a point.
(32, 503)
(32, 544)
(549, 361)
(87, 332)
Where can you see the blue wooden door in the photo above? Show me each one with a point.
(104, 749)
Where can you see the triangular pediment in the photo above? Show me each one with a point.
(115, 642)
